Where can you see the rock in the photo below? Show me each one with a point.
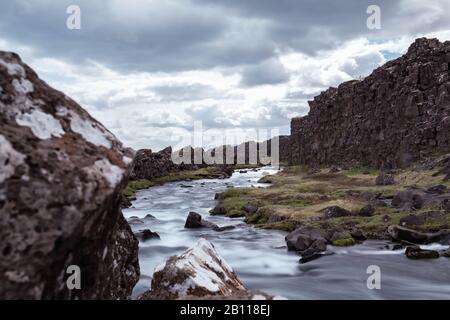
(445, 253)
(396, 247)
(125, 202)
(147, 234)
(61, 180)
(250, 209)
(310, 255)
(358, 235)
(218, 211)
(446, 205)
(386, 218)
(411, 220)
(335, 212)
(135, 220)
(413, 199)
(198, 272)
(367, 211)
(243, 171)
(338, 235)
(385, 179)
(304, 238)
(194, 221)
(226, 228)
(415, 252)
(185, 186)
(334, 169)
(439, 189)
(408, 118)
(399, 233)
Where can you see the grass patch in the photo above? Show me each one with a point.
(297, 197)
(188, 175)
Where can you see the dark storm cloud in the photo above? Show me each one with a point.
(197, 34)
(131, 35)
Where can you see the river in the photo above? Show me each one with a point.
(259, 257)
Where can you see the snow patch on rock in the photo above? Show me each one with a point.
(9, 158)
(43, 125)
(88, 130)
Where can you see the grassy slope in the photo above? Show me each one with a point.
(298, 198)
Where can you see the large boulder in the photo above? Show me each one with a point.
(414, 198)
(399, 233)
(61, 178)
(416, 253)
(335, 212)
(195, 221)
(307, 238)
(198, 272)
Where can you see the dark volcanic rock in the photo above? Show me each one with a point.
(305, 238)
(194, 221)
(147, 234)
(367, 211)
(393, 117)
(412, 220)
(335, 212)
(399, 233)
(415, 252)
(413, 198)
(221, 229)
(61, 178)
(250, 208)
(218, 210)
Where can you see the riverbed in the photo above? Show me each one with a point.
(260, 258)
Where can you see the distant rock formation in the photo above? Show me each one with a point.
(149, 165)
(198, 273)
(61, 177)
(397, 115)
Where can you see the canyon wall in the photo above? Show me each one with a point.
(61, 178)
(395, 116)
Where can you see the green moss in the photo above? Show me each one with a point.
(134, 186)
(234, 193)
(344, 242)
(287, 225)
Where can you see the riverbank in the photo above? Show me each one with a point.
(260, 257)
(359, 201)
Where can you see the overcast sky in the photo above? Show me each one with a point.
(148, 69)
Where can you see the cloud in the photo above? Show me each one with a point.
(267, 72)
(149, 69)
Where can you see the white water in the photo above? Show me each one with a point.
(260, 258)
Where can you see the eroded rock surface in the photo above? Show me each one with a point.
(198, 272)
(60, 187)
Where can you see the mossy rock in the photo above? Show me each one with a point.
(344, 242)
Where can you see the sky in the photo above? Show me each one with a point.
(151, 70)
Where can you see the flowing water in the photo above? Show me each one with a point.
(260, 258)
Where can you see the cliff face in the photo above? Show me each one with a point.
(61, 177)
(398, 114)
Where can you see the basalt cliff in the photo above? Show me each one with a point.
(397, 115)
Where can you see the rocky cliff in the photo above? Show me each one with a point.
(61, 177)
(397, 115)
